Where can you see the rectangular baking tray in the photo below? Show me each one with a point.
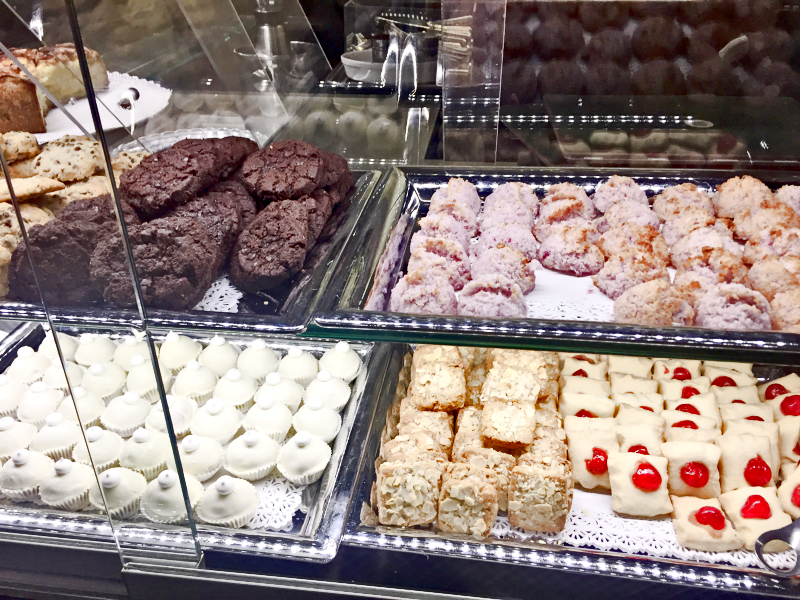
(403, 197)
(538, 551)
(318, 525)
(284, 310)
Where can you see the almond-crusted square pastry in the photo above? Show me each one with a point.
(693, 469)
(474, 380)
(540, 496)
(499, 462)
(467, 506)
(438, 424)
(507, 424)
(509, 384)
(468, 431)
(408, 493)
(437, 386)
(546, 451)
(548, 423)
(418, 445)
(701, 525)
(639, 484)
(445, 355)
(465, 470)
(542, 364)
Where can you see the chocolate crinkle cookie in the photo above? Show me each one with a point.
(659, 78)
(237, 191)
(176, 260)
(283, 170)
(62, 252)
(272, 248)
(100, 211)
(171, 177)
(219, 213)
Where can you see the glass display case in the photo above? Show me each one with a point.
(275, 303)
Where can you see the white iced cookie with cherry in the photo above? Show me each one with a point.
(652, 402)
(747, 394)
(633, 415)
(745, 461)
(639, 484)
(585, 405)
(749, 412)
(768, 430)
(701, 525)
(734, 366)
(580, 368)
(584, 385)
(786, 405)
(219, 356)
(230, 502)
(679, 370)
(754, 511)
(704, 436)
(631, 365)
(163, 500)
(779, 387)
(704, 405)
(589, 452)
(722, 377)
(641, 439)
(341, 361)
(679, 419)
(576, 425)
(674, 389)
(693, 469)
(789, 493)
(789, 430)
(624, 383)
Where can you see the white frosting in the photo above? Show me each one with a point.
(234, 375)
(299, 366)
(251, 453)
(137, 360)
(269, 417)
(78, 393)
(64, 466)
(97, 370)
(39, 387)
(236, 387)
(217, 341)
(131, 398)
(121, 487)
(250, 438)
(105, 446)
(281, 390)
(145, 450)
(110, 479)
(93, 434)
(257, 344)
(57, 434)
(342, 361)
(130, 341)
(37, 403)
(6, 423)
(163, 499)
(89, 406)
(15, 435)
(190, 443)
(125, 413)
(140, 436)
(4, 380)
(295, 352)
(53, 419)
(333, 391)
(303, 456)
(219, 356)
(94, 349)
(178, 350)
(67, 481)
(342, 347)
(214, 407)
(104, 379)
(21, 457)
(273, 379)
(25, 470)
(67, 343)
(227, 501)
(171, 338)
(25, 352)
(224, 485)
(167, 479)
(217, 420)
(193, 365)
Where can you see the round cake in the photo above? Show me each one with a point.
(333, 392)
(303, 459)
(57, 438)
(299, 366)
(163, 500)
(38, 402)
(142, 378)
(28, 367)
(237, 389)
(270, 417)
(217, 420)
(21, 475)
(230, 502)
(129, 348)
(94, 348)
(103, 450)
(104, 379)
(67, 486)
(219, 356)
(317, 419)
(201, 457)
(11, 393)
(195, 381)
(257, 361)
(14, 436)
(281, 389)
(125, 414)
(146, 453)
(177, 350)
(341, 361)
(123, 490)
(89, 408)
(68, 346)
(251, 456)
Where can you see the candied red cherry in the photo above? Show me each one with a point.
(694, 474)
(757, 472)
(796, 448)
(580, 373)
(791, 405)
(711, 516)
(681, 374)
(688, 408)
(646, 478)
(585, 413)
(738, 402)
(774, 390)
(583, 358)
(754, 418)
(689, 391)
(598, 464)
(723, 381)
(685, 424)
(647, 408)
(639, 449)
(796, 496)
(755, 507)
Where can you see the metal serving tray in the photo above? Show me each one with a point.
(403, 197)
(316, 529)
(285, 310)
(536, 552)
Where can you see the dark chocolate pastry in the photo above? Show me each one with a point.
(323, 207)
(546, 10)
(282, 170)
(658, 37)
(335, 167)
(659, 78)
(238, 192)
(220, 213)
(232, 151)
(654, 8)
(519, 32)
(561, 77)
(100, 210)
(176, 260)
(713, 76)
(609, 44)
(700, 12)
(558, 37)
(707, 40)
(272, 248)
(756, 14)
(338, 191)
(778, 78)
(775, 44)
(607, 79)
(596, 15)
(519, 82)
(62, 252)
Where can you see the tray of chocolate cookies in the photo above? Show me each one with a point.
(213, 224)
(568, 257)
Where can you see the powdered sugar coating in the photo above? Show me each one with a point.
(446, 255)
(442, 226)
(769, 277)
(560, 212)
(462, 214)
(774, 241)
(699, 242)
(750, 222)
(503, 260)
(616, 190)
(494, 296)
(717, 266)
(692, 285)
(785, 310)
(738, 194)
(627, 211)
(682, 224)
(424, 292)
(621, 273)
(672, 200)
(571, 250)
(790, 195)
(733, 306)
(569, 191)
(516, 190)
(503, 209)
(515, 236)
(654, 302)
(634, 239)
(458, 191)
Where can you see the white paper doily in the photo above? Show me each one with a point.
(222, 296)
(593, 524)
(153, 98)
